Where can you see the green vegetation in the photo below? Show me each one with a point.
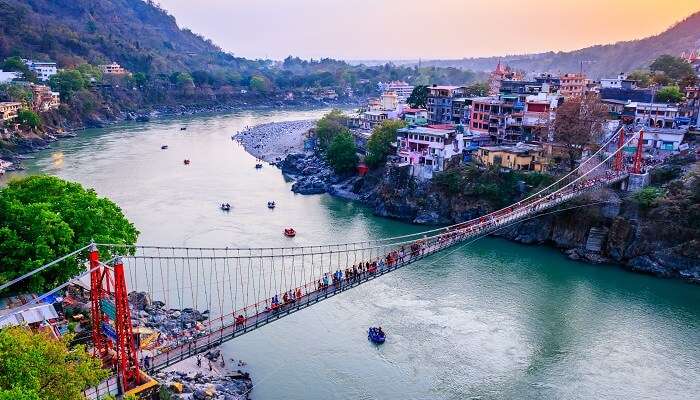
(648, 197)
(674, 67)
(29, 118)
(342, 153)
(16, 64)
(669, 94)
(43, 217)
(35, 366)
(16, 92)
(499, 188)
(642, 77)
(418, 97)
(68, 81)
(477, 89)
(379, 144)
(329, 126)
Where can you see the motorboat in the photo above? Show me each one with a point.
(290, 232)
(271, 204)
(184, 128)
(186, 161)
(164, 147)
(258, 166)
(225, 207)
(376, 335)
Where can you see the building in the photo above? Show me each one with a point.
(370, 119)
(402, 89)
(43, 70)
(9, 109)
(690, 108)
(658, 115)
(540, 111)
(6, 77)
(664, 139)
(573, 84)
(415, 116)
(621, 82)
(427, 149)
(499, 117)
(522, 157)
(439, 103)
(113, 69)
(389, 101)
(43, 99)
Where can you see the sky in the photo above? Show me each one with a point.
(427, 29)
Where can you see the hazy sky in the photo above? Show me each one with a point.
(409, 29)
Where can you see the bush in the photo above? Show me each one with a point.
(342, 153)
(647, 197)
(329, 126)
(29, 118)
(379, 144)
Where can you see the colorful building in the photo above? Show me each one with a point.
(439, 103)
(113, 69)
(522, 157)
(573, 84)
(8, 110)
(425, 150)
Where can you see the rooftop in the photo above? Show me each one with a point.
(520, 148)
(422, 130)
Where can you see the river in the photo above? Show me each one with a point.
(493, 320)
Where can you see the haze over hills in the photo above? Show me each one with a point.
(598, 61)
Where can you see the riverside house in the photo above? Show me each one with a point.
(521, 157)
(8, 110)
(426, 150)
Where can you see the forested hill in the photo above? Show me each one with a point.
(601, 60)
(135, 33)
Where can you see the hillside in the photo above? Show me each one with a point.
(135, 33)
(601, 60)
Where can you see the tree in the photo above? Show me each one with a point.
(648, 197)
(90, 72)
(674, 67)
(17, 65)
(260, 84)
(17, 92)
(329, 126)
(642, 77)
(579, 123)
(669, 94)
(29, 118)
(477, 89)
(342, 153)
(418, 97)
(67, 82)
(379, 144)
(43, 217)
(34, 366)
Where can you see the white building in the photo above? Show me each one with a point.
(426, 150)
(658, 115)
(615, 83)
(6, 76)
(662, 139)
(43, 70)
(402, 89)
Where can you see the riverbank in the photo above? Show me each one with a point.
(274, 141)
(621, 231)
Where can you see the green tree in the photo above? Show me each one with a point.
(67, 82)
(642, 77)
(379, 144)
(669, 94)
(674, 67)
(329, 126)
(418, 97)
(90, 72)
(342, 153)
(260, 84)
(33, 366)
(17, 93)
(477, 89)
(43, 217)
(16, 64)
(29, 118)
(648, 197)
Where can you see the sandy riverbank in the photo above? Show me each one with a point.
(272, 142)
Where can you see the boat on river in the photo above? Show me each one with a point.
(164, 147)
(225, 207)
(186, 161)
(184, 128)
(258, 166)
(376, 335)
(290, 232)
(271, 205)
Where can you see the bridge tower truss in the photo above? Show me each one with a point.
(637, 165)
(112, 332)
(618, 164)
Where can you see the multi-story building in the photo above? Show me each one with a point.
(113, 69)
(43, 70)
(573, 84)
(43, 99)
(659, 115)
(8, 110)
(499, 117)
(522, 157)
(402, 89)
(389, 101)
(426, 149)
(690, 108)
(439, 103)
(415, 116)
(539, 114)
(6, 77)
(370, 119)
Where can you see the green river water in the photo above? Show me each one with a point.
(492, 320)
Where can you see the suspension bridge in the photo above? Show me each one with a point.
(238, 290)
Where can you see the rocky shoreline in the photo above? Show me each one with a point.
(618, 232)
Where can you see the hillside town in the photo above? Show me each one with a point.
(511, 124)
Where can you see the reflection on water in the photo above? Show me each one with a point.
(492, 320)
